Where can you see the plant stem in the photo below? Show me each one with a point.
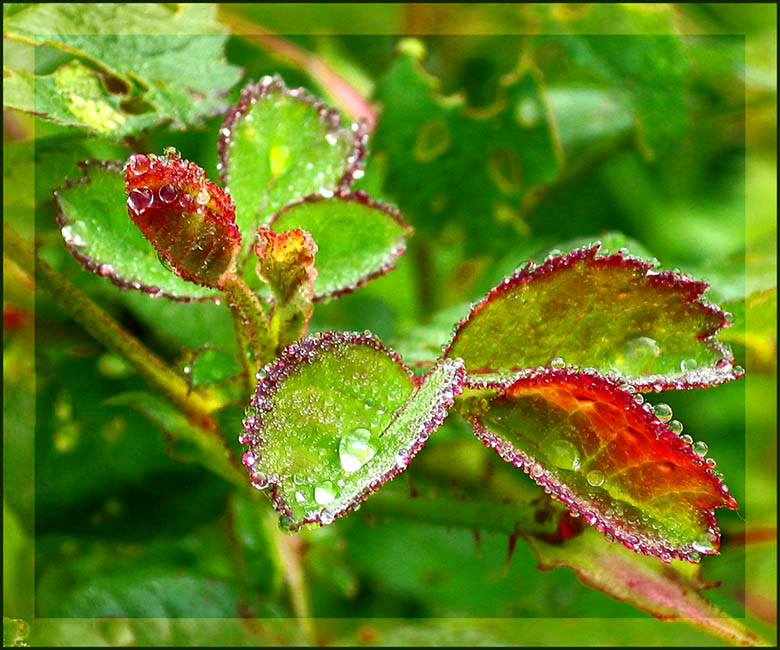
(196, 404)
(286, 552)
(249, 317)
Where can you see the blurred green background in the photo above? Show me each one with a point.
(654, 121)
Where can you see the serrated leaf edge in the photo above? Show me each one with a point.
(550, 483)
(689, 290)
(305, 351)
(106, 269)
(359, 196)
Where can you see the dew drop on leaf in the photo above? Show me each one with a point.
(557, 363)
(324, 494)
(140, 199)
(663, 412)
(168, 193)
(686, 439)
(676, 426)
(355, 450)
(563, 454)
(687, 365)
(700, 448)
(595, 477)
(203, 196)
(640, 353)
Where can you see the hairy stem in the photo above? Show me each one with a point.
(197, 404)
(249, 317)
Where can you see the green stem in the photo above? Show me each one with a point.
(509, 518)
(196, 404)
(286, 553)
(250, 317)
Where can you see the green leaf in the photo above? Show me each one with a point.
(73, 95)
(279, 144)
(210, 365)
(141, 54)
(646, 71)
(357, 239)
(667, 592)
(150, 593)
(335, 417)
(608, 457)
(443, 162)
(15, 632)
(97, 230)
(613, 313)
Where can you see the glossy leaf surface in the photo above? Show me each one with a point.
(335, 417)
(279, 144)
(358, 239)
(93, 214)
(610, 458)
(613, 313)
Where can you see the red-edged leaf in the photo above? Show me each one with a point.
(609, 458)
(667, 592)
(613, 313)
(335, 417)
(188, 219)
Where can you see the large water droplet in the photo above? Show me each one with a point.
(324, 493)
(168, 193)
(563, 454)
(557, 363)
(355, 450)
(203, 196)
(640, 353)
(700, 448)
(138, 163)
(686, 439)
(686, 365)
(676, 426)
(663, 412)
(537, 470)
(595, 477)
(326, 517)
(140, 199)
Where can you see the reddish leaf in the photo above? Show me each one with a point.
(188, 219)
(609, 458)
(613, 313)
(667, 592)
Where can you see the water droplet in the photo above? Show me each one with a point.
(326, 517)
(355, 450)
(527, 112)
(402, 459)
(168, 193)
(563, 454)
(711, 462)
(557, 363)
(639, 398)
(537, 470)
(686, 439)
(663, 412)
(595, 477)
(700, 448)
(140, 199)
(260, 482)
(203, 196)
(729, 317)
(324, 493)
(686, 365)
(639, 354)
(676, 426)
(248, 459)
(138, 163)
(300, 497)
